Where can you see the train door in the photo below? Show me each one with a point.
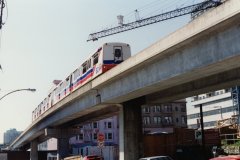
(67, 85)
(97, 64)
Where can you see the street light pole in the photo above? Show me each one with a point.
(17, 90)
(202, 130)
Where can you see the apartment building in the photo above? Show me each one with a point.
(163, 118)
(216, 105)
(157, 118)
(87, 143)
(10, 135)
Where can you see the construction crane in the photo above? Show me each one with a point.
(195, 10)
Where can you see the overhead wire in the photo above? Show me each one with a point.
(130, 16)
(168, 7)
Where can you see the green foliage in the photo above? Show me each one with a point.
(224, 143)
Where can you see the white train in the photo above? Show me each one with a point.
(105, 58)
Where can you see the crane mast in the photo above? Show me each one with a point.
(193, 9)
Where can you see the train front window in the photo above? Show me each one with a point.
(118, 55)
(118, 52)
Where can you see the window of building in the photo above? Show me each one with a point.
(177, 120)
(157, 120)
(109, 136)
(227, 90)
(146, 120)
(168, 120)
(95, 125)
(183, 109)
(94, 136)
(167, 108)
(79, 137)
(146, 109)
(195, 98)
(109, 124)
(156, 109)
(184, 119)
(176, 108)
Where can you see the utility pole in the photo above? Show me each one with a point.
(203, 133)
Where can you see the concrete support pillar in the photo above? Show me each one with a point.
(34, 150)
(62, 135)
(63, 147)
(121, 134)
(131, 135)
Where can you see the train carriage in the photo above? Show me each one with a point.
(110, 55)
(106, 57)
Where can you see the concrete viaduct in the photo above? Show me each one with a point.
(202, 56)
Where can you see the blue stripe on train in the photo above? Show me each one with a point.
(86, 74)
(111, 62)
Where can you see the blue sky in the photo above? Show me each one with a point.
(44, 40)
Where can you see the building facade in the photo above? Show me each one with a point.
(216, 105)
(10, 135)
(163, 118)
(87, 142)
(157, 118)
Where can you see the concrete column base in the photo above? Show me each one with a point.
(131, 135)
(34, 150)
(63, 147)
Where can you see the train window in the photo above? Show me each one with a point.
(67, 81)
(84, 67)
(64, 85)
(57, 90)
(60, 87)
(89, 63)
(76, 73)
(95, 58)
(118, 53)
(99, 49)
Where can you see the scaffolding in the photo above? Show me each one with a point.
(236, 98)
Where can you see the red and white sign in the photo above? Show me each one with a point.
(101, 137)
